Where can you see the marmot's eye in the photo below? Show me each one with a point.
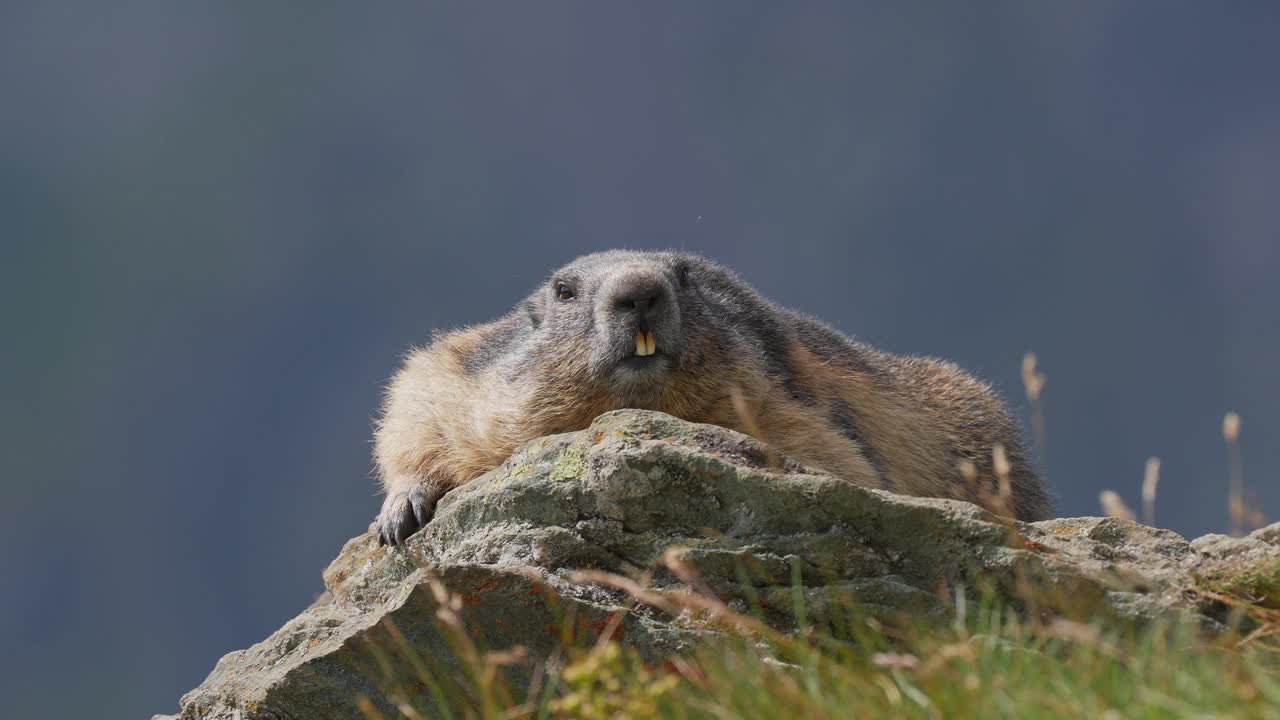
(564, 292)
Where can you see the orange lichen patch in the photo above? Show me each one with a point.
(595, 439)
(473, 597)
(607, 624)
(1032, 545)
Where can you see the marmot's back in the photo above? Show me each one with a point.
(676, 333)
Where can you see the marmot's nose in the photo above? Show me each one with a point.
(640, 294)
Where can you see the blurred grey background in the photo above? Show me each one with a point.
(222, 222)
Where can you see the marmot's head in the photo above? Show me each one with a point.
(635, 324)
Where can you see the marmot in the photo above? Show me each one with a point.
(674, 332)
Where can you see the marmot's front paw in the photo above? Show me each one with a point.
(404, 513)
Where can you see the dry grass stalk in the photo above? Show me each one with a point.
(999, 501)
(748, 417)
(679, 603)
(1033, 382)
(1150, 479)
(1235, 498)
(1001, 467)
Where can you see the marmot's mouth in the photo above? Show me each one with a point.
(645, 344)
(641, 362)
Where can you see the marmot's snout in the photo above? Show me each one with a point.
(638, 302)
(638, 314)
(641, 310)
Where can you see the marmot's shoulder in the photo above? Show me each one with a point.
(482, 346)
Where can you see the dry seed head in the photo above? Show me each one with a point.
(1235, 498)
(438, 590)
(896, 661)
(999, 460)
(1083, 633)
(1236, 505)
(748, 418)
(1231, 427)
(409, 711)
(1113, 506)
(515, 655)
(448, 617)
(1032, 380)
(1000, 464)
(1150, 478)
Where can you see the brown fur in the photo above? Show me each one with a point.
(905, 424)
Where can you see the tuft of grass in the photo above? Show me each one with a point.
(1257, 584)
(1249, 597)
(988, 660)
(609, 682)
(996, 665)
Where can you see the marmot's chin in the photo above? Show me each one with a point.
(639, 381)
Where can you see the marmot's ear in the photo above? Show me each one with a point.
(683, 274)
(533, 311)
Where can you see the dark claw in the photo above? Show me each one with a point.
(408, 524)
(423, 507)
(405, 513)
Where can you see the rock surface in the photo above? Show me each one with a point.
(615, 496)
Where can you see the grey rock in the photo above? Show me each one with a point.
(761, 531)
